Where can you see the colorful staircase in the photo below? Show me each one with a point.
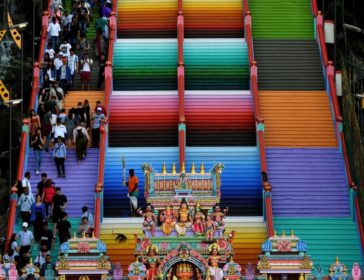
(80, 178)
(310, 193)
(297, 119)
(144, 111)
(220, 118)
(326, 238)
(288, 64)
(282, 19)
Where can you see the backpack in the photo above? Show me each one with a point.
(80, 134)
(49, 192)
(59, 95)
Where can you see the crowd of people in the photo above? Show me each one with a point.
(51, 122)
(48, 206)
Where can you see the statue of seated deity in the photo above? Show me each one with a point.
(183, 219)
(213, 261)
(198, 225)
(168, 220)
(149, 221)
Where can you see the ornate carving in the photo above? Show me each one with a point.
(264, 263)
(103, 263)
(306, 263)
(63, 263)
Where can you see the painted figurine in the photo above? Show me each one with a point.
(249, 272)
(150, 220)
(153, 262)
(118, 272)
(183, 219)
(209, 229)
(168, 220)
(218, 217)
(2, 272)
(213, 261)
(198, 226)
(13, 272)
(356, 271)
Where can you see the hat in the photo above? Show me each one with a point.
(6, 258)
(99, 109)
(108, 1)
(25, 224)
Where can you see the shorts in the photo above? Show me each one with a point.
(85, 76)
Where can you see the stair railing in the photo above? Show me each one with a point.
(267, 201)
(24, 141)
(104, 127)
(181, 86)
(331, 88)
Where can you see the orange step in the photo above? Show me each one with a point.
(297, 119)
(73, 97)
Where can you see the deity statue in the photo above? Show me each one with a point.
(218, 217)
(168, 220)
(183, 219)
(356, 271)
(150, 220)
(153, 261)
(184, 271)
(249, 272)
(213, 261)
(13, 272)
(198, 226)
(209, 229)
(118, 272)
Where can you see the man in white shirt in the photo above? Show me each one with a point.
(65, 48)
(59, 130)
(25, 182)
(50, 51)
(58, 61)
(54, 30)
(26, 239)
(66, 20)
(25, 202)
(86, 63)
(73, 65)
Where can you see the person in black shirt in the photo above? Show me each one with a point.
(48, 262)
(41, 184)
(80, 113)
(82, 17)
(101, 71)
(59, 204)
(64, 229)
(37, 144)
(46, 237)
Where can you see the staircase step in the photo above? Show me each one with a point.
(80, 177)
(282, 19)
(297, 119)
(288, 65)
(303, 178)
(326, 238)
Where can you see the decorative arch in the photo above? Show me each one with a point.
(190, 256)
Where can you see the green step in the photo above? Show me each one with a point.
(282, 19)
(35, 250)
(326, 238)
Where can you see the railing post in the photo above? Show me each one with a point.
(98, 192)
(108, 83)
(12, 213)
(182, 143)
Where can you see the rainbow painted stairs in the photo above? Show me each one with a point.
(218, 109)
(305, 163)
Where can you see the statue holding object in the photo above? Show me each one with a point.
(356, 271)
(149, 222)
(153, 261)
(213, 261)
(168, 220)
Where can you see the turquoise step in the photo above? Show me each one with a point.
(326, 238)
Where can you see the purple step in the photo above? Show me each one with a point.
(308, 182)
(79, 184)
